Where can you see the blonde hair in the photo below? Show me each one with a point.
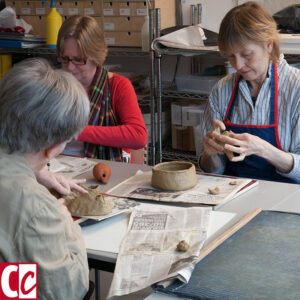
(90, 39)
(249, 22)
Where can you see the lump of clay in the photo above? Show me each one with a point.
(182, 246)
(228, 153)
(215, 191)
(102, 172)
(233, 182)
(91, 204)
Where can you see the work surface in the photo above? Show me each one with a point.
(266, 195)
(102, 239)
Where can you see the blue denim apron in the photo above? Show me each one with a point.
(254, 166)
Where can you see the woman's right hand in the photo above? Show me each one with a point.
(211, 147)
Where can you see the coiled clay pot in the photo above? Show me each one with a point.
(174, 176)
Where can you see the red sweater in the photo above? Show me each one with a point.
(132, 132)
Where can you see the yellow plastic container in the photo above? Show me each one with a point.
(5, 63)
(54, 21)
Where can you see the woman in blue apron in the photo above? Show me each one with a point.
(260, 103)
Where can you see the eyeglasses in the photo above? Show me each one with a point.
(75, 61)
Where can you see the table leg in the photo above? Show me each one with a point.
(97, 284)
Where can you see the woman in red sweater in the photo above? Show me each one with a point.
(116, 123)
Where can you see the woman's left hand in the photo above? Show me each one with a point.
(244, 144)
(58, 182)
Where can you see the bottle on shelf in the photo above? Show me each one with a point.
(54, 22)
(5, 63)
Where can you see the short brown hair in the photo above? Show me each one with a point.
(249, 22)
(90, 39)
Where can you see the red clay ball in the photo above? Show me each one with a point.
(102, 172)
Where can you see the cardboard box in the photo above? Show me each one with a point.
(73, 8)
(123, 23)
(140, 8)
(92, 8)
(99, 21)
(185, 116)
(132, 8)
(109, 9)
(196, 83)
(40, 9)
(38, 24)
(14, 4)
(183, 138)
(123, 0)
(69, 8)
(192, 115)
(186, 113)
(26, 8)
(167, 12)
(123, 39)
(61, 7)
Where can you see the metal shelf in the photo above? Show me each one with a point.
(144, 101)
(127, 52)
(166, 93)
(292, 56)
(112, 51)
(35, 51)
(172, 154)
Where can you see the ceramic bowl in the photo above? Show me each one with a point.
(174, 176)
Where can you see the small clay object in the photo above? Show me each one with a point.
(90, 204)
(214, 191)
(233, 182)
(102, 172)
(182, 246)
(228, 153)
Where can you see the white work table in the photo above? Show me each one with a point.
(103, 238)
(268, 196)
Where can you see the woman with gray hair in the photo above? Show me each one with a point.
(41, 109)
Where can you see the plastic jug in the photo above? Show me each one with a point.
(54, 21)
(5, 63)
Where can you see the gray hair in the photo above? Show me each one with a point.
(40, 107)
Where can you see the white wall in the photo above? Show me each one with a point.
(213, 11)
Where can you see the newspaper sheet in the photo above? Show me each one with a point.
(148, 251)
(139, 187)
(71, 166)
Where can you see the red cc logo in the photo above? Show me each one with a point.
(18, 281)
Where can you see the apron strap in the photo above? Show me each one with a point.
(273, 118)
(274, 95)
(232, 100)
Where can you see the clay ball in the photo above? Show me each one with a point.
(182, 246)
(102, 172)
